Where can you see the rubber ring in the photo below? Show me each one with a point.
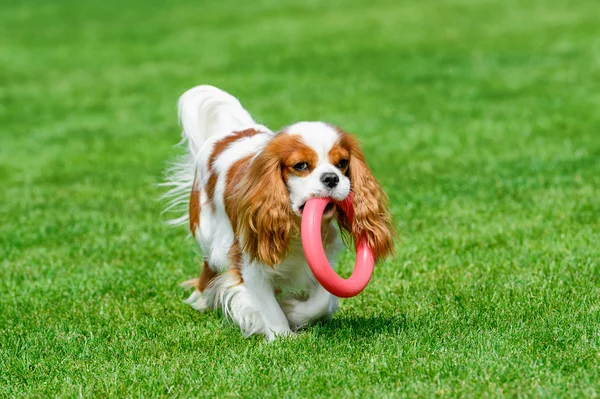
(315, 254)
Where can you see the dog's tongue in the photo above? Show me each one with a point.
(315, 255)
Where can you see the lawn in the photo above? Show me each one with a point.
(480, 118)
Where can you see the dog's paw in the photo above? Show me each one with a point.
(296, 313)
(272, 335)
(196, 301)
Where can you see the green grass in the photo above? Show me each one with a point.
(480, 118)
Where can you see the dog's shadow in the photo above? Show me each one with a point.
(361, 326)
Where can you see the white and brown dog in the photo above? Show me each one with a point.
(245, 188)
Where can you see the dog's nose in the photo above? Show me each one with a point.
(330, 179)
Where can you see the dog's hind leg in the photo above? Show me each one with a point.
(197, 300)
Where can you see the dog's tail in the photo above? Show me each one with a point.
(204, 112)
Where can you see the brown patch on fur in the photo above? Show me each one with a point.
(296, 151)
(222, 144)
(337, 154)
(206, 276)
(210, 188)
(235, 273)
(236, 257)
(235, 175)
(264, 217)
(372, 219)
(194, 207)
(219, 147)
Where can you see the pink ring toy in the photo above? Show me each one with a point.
(315, 255)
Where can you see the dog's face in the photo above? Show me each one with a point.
(307, 160)
(314, 163)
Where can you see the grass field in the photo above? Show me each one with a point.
(480, 118)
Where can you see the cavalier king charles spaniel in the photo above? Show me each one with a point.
(244, 188)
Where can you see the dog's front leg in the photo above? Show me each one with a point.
(320, 304)
(259, 286)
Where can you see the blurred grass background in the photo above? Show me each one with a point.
(480, 118)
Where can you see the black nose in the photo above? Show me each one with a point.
(330, 179)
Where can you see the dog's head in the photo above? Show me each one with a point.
(307, 160)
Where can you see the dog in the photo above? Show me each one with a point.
(244, 188)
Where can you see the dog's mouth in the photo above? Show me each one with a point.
(327, 212)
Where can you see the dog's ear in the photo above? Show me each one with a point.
(264, 215)
(372, 218)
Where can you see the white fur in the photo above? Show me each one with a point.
(237, 303)
(208, 114)
(319, 136)
(205, 112)
(320, 304)
(304, 188)
(196, 301)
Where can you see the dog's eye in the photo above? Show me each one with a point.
(301, 166)
(343, 163)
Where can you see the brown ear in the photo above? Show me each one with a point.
(372, 218)
(264, 214)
